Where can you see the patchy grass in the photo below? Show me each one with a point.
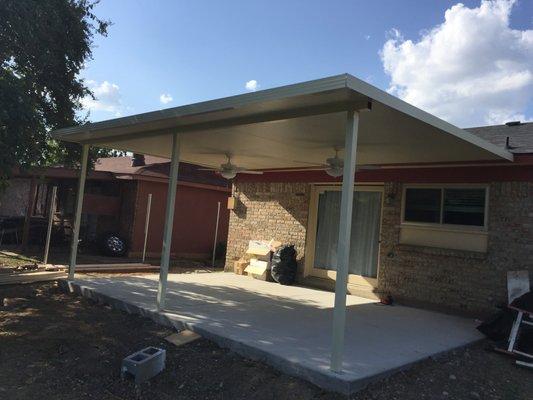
(10, 259)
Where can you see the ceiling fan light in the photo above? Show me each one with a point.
(229, 174)
(334, 172)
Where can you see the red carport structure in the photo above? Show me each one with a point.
(289, 127)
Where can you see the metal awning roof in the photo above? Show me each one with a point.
(291, 126)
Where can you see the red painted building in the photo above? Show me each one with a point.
(115, 201)
(198, 195)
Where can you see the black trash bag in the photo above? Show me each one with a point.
(283, 267)
(524, 302)
(498, 326)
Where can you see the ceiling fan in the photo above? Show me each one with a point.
(229, 170)
(334, 166)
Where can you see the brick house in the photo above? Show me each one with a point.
(440, 213)
(434, 234)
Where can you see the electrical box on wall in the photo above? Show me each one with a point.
(231, 203)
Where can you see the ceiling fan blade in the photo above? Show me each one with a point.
(318, 165)
(368, 167)
(251, 172)
(208, 169)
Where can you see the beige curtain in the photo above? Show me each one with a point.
(364, 242)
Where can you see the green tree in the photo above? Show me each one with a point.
(43, 47)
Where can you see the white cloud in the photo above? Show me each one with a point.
(165, 98)
(472, 69)
(252, 85)
(107, 98)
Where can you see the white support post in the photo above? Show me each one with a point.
(77, 212)
(343, 247)
(169, 222)
(51, 212)
(147, 224)
(216, 234)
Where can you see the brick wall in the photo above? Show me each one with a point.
(460, 280)
(436, 278)
(265, 211)
(14, 200)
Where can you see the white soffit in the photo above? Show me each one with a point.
(292, 126)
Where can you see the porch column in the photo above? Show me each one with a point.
(343, 247)
(77, 213)
(169, 222)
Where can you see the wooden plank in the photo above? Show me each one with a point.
(38, 276)
(183, 337)
(106, 266)
(122, 269)
(524, 364)
(118, 265)
(30, 277)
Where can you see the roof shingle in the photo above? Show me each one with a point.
(520, 136)
(158, 167)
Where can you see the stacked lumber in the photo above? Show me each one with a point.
(30, 277)
(125, 267)
(60, 271)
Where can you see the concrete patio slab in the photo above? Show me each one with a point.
(288, 327)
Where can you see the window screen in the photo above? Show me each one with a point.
(422, 205)
(464, 207)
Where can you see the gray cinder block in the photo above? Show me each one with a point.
(144, 364)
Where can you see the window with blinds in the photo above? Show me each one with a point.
(445, 205)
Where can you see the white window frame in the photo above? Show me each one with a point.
(440, 225)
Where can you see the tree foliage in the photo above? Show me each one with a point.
(43, 47)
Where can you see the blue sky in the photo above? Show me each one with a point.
(199, 50)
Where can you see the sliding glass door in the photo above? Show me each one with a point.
(364, 243)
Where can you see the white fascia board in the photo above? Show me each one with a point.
(232, 102)
(293, 90)
(408, 109)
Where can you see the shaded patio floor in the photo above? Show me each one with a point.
(288, 327)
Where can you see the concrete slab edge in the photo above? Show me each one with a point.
(321, 379)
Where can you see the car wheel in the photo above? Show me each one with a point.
(114, 245)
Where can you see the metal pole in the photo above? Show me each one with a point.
(169, 222)
(343, 247)
(216, 234)
(147, 224)
(29, 212)
(50, 223)
(77, 213)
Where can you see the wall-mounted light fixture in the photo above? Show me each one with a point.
(389, 198)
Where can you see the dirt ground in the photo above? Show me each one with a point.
(11, 256)
(55, 345)
(12, 261)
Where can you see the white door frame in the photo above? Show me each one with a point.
(309, 268)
